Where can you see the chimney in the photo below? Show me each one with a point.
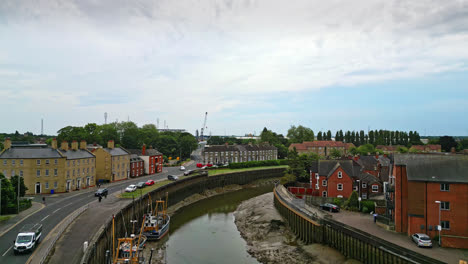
(226, 144)
(143, 150)
(377, 155)
(356, 158)
(64, 145)
(74, 145)
(452, 150)
(83, 144)
(110, 144)
(54, 143)
(385, 155)
(7, 143)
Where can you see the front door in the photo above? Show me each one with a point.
(38, 187)
(68, 186)
(87, 181)
(78, 184)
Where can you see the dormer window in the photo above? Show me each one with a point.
(340, 174)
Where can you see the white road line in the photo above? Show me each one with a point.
(44, 218)
(68, 204)
(56, 210)
(6, 251)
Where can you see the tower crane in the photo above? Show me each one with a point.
(203, 127)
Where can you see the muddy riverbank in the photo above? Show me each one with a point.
(269, 240)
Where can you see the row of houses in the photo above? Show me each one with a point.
(216, 154)
(322, 147)
(53, 169)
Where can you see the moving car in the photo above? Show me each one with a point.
(182, 168)
(131, 188)
(149, 182)
(188, 172)
(101, 192)
(422, 240)
(330, 207)
(28, 238)
(141, 185)
(172, 177)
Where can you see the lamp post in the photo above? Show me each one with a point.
(359, 191)
(440, 226)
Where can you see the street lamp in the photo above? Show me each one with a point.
(440, 226)
(359, 191)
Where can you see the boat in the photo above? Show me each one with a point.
(129, 250)
(156, 223)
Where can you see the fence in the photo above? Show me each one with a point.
(351, 242)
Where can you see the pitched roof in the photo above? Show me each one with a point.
(368, 162)
(148, 152)
(135, 158)
(324, 143)
(116, 151)
(221, 148)
(368, 178)
(434, 168)
(76, 154)
(298, 146)
(30, 153)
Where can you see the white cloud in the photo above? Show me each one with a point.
(177, 59)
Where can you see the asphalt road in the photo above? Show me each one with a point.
(60, 206)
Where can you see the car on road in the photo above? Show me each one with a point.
(131, 188)
(172, 177)
(422, 240)
(101, 192)
(199, 165)
(149, 182)
(188, 172)
(141, 185)
(330, 207)
(209, 165)
(182, 168)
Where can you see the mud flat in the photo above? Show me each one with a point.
(269, 240)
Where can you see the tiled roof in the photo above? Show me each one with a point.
(30, 153)
(434, 147)
(368, 178)
(434, 168)
(76, 154)
(368, 162)
(153, 152)
(298, 146)
(222, 148)
(135, 158)
(116, 151)
(324, 143)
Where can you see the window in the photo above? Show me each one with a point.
(46, 172)
(73, 163)
(12, 173)
(324, 194)
(356, 188)
(47, 185)
(445, 205)
(445, 225)
(445, 187)
(78, 162)
(21, 173)
(364, 196)
(55, 172)
(339, 187)
(47, 162)
(4, 162)
(87, 161)
(55, 161)
(92, 170)
(13, 162)
(55, 185)
(340, 174)
(38, 162)
(38, 173)
(21, 162)
(68, 163)
(375, 188)
(324, 183)
(87, 170)
(68, 173)
(73, 172)
(364, 185)
(339, 196)
(4, 173)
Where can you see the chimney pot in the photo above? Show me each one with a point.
(7, 143)
(110, 144)
(54, 143)
(143, 150)
(64, 145)
(83, 144)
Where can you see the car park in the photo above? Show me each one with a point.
(172, 177)
(422, 240)
(330, 207)
(149, 182)
(131, 188)
(101, 192)
(182, 168)
(141, 185)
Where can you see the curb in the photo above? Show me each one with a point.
(20, 221)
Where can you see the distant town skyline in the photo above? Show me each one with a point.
(250, 64)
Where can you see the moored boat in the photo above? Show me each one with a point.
(129, 250)
(156, 224)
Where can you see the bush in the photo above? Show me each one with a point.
(353, 201)
(370, 205)
(283, 162)
(338, 201)
(251, 164)
(287, 178)
(365, 210)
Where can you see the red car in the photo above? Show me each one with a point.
(209, 165)
(149, 182)
(199, 165)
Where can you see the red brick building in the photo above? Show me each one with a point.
(427, 148)
(137, 166)
(323, 147)
(420, 181)
(153, 159)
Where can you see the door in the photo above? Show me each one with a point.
(68, 186)
(87, 181)
(78, 183)
(38, 187)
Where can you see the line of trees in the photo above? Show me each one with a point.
(9, 203)
(130, 136)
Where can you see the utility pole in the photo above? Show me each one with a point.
(18, 192)
(440, 226)
(133, 222)
(1, 196)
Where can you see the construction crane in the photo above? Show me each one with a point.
(203, 128)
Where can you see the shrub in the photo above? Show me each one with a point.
(287, 178)
(370, 205)
(365, 210)
(251, 164)
(353, 200)
(338, 201)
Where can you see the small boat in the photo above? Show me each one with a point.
(129, 250)
(156, 225)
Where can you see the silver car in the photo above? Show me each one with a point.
(422, 240)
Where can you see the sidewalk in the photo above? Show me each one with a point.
(365, 223)
(5, 226)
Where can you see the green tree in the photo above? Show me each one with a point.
(130, 135)
(319, 136)
(108, 132)
(187, 143)
(149, 135)
(463, 144)
(353, 201)
(336, 154)
(8, 195)
(300, 134)
(402, 150)
(329, 135)
(14, 183)
(447, 143)
(341, 135)
(362, 137)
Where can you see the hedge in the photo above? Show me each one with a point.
(12, 208)
(259, 163)
(369, 204)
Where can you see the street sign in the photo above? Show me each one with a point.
(439, 228)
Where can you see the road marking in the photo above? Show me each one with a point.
(68, 204)
(6, 251)
(56, 210)
(44, 218)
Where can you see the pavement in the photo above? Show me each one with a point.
(5, 226)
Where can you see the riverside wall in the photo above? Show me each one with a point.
(353, 243)
(178, 191)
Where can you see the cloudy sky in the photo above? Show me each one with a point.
(400, 65)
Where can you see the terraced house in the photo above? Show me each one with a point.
(238, 153)
(323, 148)
(112, 163)
(46, 169)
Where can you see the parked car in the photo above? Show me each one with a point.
(101, 192)
(188, 172)
(149, 182)
(209, 165)
(422, 240)
(182, 168)
(131, 188)
(199, 165)
(172, 177)
(141, 185)
(330, 207)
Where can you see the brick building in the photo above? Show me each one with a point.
(216, 154)
(377, 165)
(112, 163)
(137, 166)
(420, 181)
(153, 159)
(323, 148)
(427, 148)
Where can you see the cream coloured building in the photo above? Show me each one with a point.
(112, 164)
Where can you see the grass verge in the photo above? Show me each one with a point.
(5, 217)
(212, 172)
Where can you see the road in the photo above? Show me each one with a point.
(61, 205)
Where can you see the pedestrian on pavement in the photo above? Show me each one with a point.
(105, 195)
(375, 217)
(43, 200)
(100, 198)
